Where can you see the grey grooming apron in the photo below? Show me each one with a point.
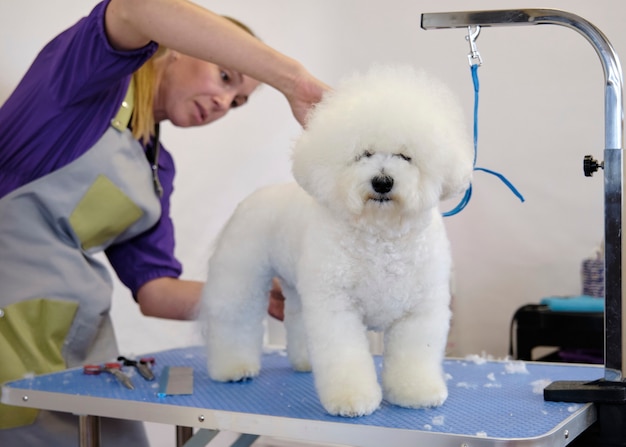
(54, 295)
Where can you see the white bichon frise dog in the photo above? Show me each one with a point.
(358, 244)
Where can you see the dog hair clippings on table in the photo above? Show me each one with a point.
(475, 61)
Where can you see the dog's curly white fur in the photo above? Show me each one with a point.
(358, 243)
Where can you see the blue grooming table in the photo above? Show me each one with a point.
(491, 403)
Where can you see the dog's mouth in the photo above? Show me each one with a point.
(380, 198)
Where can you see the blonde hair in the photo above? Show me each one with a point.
(144, 79)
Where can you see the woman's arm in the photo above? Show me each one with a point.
(179, 299)
(171, 298)
(198, 32)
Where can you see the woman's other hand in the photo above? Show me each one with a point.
(276, 307)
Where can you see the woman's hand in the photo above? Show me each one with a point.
(276, 307)
(307, 91)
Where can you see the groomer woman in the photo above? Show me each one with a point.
(82, 171)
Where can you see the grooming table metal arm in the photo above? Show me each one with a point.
(613, 153)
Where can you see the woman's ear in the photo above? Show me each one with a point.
(170, 55)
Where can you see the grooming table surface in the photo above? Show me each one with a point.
(490, 403)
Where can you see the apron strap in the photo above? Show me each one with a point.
(122, 118)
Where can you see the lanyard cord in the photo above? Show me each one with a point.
(468, 192)
(153, 158)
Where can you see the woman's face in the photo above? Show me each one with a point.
(192, 92)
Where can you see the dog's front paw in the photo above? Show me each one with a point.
(233, 371)
(427, 391)
(351, 400)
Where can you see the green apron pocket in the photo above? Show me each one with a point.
(103, 213)
(31, 341)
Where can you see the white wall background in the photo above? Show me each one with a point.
(541, 111)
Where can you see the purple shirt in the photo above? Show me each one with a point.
(60, 108)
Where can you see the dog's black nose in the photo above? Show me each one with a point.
(382, 184)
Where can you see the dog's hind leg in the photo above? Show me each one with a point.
(235, 300)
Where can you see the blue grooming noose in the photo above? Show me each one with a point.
(475, 61)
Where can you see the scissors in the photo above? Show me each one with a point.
(143, 366)
(111, 368)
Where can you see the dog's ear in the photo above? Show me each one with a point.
(449, 133)
(458, 177)
(304, 166)
(316, 156)
(310, 166)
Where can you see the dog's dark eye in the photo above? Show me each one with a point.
(366, 154)
(404, 157)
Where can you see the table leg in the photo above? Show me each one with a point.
(88, 431)
(245, 440)
(201, 438)
(183, 434)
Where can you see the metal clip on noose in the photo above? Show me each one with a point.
(473, 56)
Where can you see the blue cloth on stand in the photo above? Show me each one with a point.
(582, 303)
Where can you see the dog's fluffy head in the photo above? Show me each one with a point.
(393, 138)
